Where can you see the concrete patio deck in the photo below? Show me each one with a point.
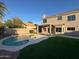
(8, 55)
(11, 52)
(17, 48)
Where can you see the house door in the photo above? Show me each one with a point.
(40, 29)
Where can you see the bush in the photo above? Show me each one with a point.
(1, 27)
(1, 30)
(31, 31)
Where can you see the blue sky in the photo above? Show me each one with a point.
(32, 10)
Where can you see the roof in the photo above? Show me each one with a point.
(29, 24)
(65, 13)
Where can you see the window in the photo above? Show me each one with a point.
(71, 28)
(59, 18)
(58, 29)
(71, 18)
(44, 20)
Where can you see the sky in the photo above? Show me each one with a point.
(33, 10)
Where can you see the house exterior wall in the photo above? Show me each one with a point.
(29, 26)
(64, 23)
(19, 31)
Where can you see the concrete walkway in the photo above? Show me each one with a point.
(31, 41)
(17, 48)
(11, 52)
(8, 55)
(68, 36)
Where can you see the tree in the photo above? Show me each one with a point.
(30, 22)
(8, 23)
(14, 23)
(17, 21)
(1, 24)
(2, 9)
(1, 27)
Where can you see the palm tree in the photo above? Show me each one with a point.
(2, 10)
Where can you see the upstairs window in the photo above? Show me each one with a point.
(44, 20)
(71, 18)
(59, 18)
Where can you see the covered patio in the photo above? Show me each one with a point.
(51, 29)
(46, 29)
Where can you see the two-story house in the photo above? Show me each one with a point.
(60, 23)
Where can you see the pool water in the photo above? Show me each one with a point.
(13, 41)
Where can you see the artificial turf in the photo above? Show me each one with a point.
(52, 48)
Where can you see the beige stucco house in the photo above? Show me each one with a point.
(60, 23)
(30, 27)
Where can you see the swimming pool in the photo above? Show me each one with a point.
(13, 41)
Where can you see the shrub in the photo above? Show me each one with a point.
(31, 31)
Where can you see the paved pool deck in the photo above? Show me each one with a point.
(8, 52)
(18, 48)
(11, 52)
(8, 55)
(31, 41)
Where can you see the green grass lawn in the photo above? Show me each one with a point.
(52, 48)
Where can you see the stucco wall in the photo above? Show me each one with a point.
(54, 21)
(64, 21)
(19, 31)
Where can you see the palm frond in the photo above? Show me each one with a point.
(2, 9)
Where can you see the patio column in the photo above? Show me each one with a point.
(63, 29)
(37, 29)
(42, 30)
(50, 28)
(46, 29)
